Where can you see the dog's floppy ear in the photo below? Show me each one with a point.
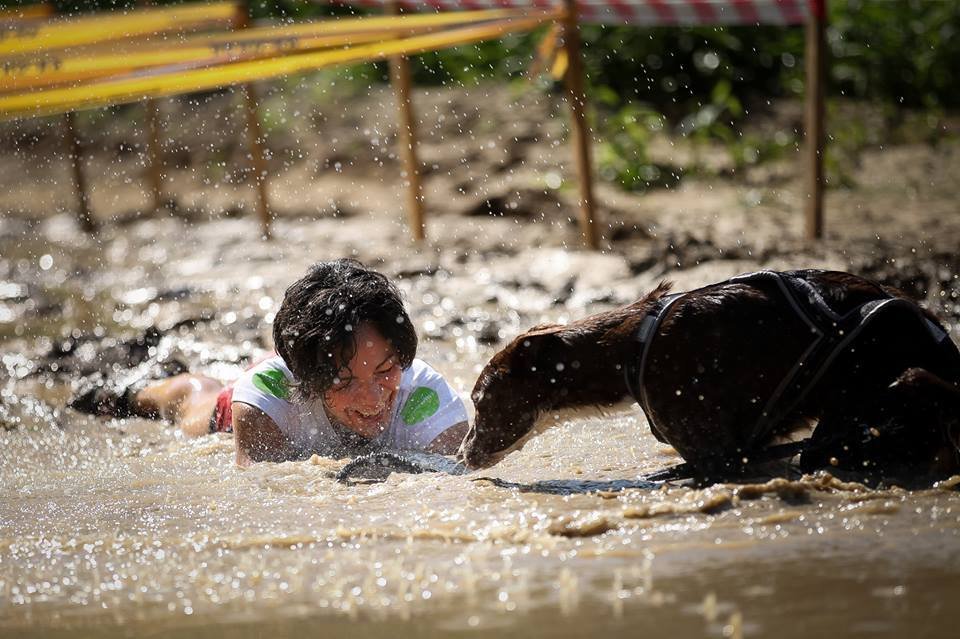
(535, 351)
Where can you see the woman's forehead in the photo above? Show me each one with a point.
(371, 350)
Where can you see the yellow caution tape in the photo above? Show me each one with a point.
(26, 13)
(379, 23)
(23, 72)
(29, 36)
(560, 65)
(546, 51)
(172, 81)
(18, 75)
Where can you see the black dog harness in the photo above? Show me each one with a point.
(832, 334)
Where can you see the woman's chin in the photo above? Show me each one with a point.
(368, 427)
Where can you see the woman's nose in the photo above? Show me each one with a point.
(371, 392)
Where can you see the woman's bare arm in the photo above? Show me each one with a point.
(257, 437)
(447, 442)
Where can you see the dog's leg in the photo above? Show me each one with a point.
(911, 427)
(891, 400)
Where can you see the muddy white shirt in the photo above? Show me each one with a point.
(425, 407)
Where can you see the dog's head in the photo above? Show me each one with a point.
(515, 387)
(551, 367)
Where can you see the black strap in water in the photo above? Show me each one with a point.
(571, 486)
(380, 464)
(686, 470)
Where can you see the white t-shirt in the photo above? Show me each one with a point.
(425, 407)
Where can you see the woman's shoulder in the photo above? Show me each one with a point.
(427, 406)
(423, 384)
(422, 375)
(419, 371)
(269, 376)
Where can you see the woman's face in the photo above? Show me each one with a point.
(363, 395)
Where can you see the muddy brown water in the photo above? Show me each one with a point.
(124, 528)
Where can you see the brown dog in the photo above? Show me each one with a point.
(723, 370)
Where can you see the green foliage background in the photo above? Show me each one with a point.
(902, 50)
(702, 81)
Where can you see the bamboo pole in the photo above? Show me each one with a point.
(814, 120)
(155, 158)
(75, 151)
(255, 141)
(581, 134)
(400, 78)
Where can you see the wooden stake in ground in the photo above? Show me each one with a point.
(581, 134)
(255, 136)
(814, 116)
(75, 151)
(154, 156)
(401, 79)
(255, 141)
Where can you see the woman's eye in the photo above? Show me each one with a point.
(388, 369)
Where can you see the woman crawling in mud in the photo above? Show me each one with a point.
(344, 380)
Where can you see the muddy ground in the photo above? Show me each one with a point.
(500, 195)
(104, 525)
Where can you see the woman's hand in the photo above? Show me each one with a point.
(447, 442)
(257, 437)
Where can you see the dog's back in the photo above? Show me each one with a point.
(729, 366)
(738, 362)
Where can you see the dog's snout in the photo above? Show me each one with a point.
(471, 453)
(461, 454)
(466, 445)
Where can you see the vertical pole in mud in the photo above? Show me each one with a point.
(152, 114)
(814, 116)
(581, 133)
(79, 180)
(255, 139)
(75, 151)
(401, 80)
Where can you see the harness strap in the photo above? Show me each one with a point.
(634, 369)
(832, 334)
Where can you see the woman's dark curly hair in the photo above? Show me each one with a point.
(314, 330)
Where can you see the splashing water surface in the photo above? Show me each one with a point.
(122, 528)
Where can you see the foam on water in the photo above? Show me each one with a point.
(126, 523)
(122, 528)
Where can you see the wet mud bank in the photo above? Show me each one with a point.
(119, 526)
(123, 527)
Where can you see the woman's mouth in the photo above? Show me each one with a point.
(370, 418)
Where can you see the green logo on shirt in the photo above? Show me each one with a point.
(272, 382)
(422, 403)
